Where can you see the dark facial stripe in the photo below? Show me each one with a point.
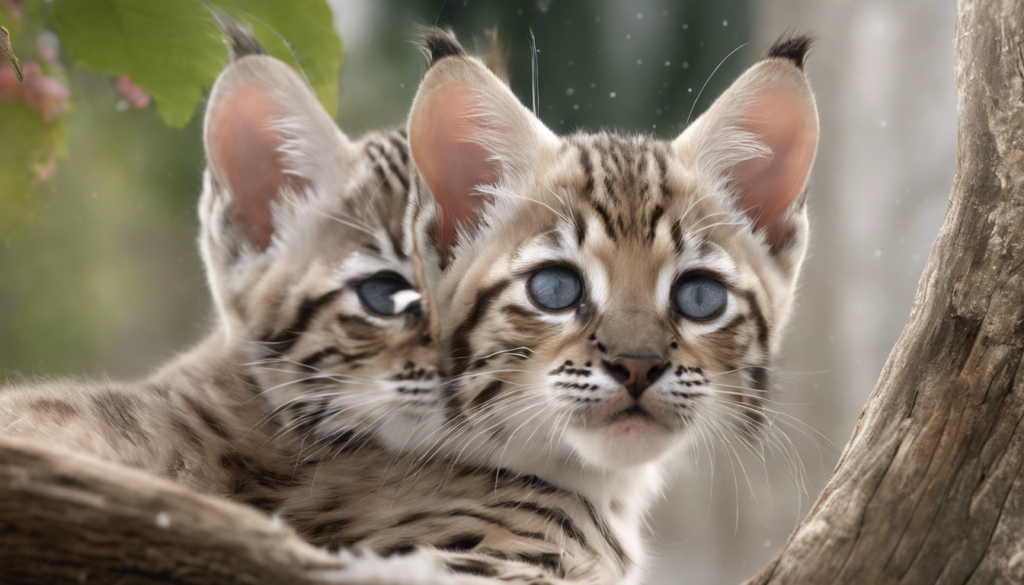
(308, 310)
(312, 360)
(581, 229)
(517, 311)
(677, 237)
(655, 216)
(401, 147)
(606, 218)
(762, 325)
(732, 325)
(487, 394)
(588, 173)
(759, 378)
(383, 161)
(459, 347)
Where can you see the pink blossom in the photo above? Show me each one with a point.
(133, 94)
(44, 93)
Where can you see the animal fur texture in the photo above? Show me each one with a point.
(472, 436)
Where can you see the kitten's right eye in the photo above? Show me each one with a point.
(388, 294)
(555, 288)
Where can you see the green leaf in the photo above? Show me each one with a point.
(30, 143)
(6, 49)
(173, 50)
(303, 26)
(170, 48)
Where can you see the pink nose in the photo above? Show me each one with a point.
(636, 373)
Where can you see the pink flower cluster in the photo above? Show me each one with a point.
(133, 94)
(44, 93)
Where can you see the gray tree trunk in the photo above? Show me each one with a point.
(929, 489)
(68, 519)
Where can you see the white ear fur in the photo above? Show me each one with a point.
(760, 137)
(266, 133)
(468, 130)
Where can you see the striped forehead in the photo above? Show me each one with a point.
(365, 207)
(623, 182)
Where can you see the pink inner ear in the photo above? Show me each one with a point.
(448, 159)
(767, 187)
(244, 151)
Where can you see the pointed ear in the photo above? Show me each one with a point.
(265, 135)
(467, 131)
(760, 137)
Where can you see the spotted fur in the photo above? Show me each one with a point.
(538, 469)
(539, 392)
(297, 366)
(280, 407)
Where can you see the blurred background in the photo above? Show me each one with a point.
(104, 279)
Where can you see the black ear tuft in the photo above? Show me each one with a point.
(439, 43)
(792, 48)
(240, 38)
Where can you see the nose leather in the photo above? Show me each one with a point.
(636, 373)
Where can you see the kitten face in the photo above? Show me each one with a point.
(302, 240)
(612, 291)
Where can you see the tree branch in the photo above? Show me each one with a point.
(69, 519)
(929, 489)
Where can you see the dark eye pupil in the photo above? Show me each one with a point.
(700, 297)
(377, 293)
(555, 288)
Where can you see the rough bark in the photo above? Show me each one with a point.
(929, 489)
(67, 519)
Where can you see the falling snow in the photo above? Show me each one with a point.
(163, 520)
(612, 94)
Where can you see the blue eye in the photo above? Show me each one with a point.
(700, 297)
(381, 294)
(555, 288)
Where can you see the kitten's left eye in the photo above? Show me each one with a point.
(700, 297)
(388, 294)
(555, 288)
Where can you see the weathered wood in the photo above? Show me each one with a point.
(929, 489)
(70, 519)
